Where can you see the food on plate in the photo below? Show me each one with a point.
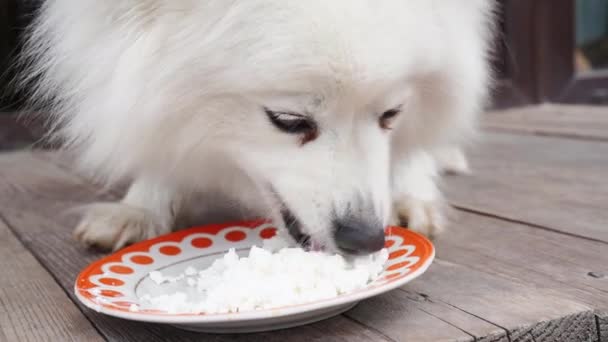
(275, 275)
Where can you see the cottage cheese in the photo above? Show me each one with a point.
(269, 277)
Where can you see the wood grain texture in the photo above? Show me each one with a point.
(512, 274)
(507, 302)
(508, 292)
(469, 323)
(499, 337)
(393, 314)
(35, 193)
(542, 258)
(416, 312)
(574, 328)
(33, 307)
(559, 184)
(601, 318)
(494, 280)
(583, 122)
(548, 264)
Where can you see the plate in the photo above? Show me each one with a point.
(114, 284)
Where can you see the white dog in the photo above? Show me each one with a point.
(332, 117)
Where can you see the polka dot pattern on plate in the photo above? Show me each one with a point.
(121, 269)
(110, 293)
(236, 236)
(202, 242)
(268, 233)
(142, 260)
(170, 250)
(111, 282)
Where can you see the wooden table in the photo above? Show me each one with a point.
(526, 258)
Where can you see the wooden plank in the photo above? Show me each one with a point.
(540, 257)
(601, 318)
(584, 122)
(455, 292)
(553, 269)
(507, 302)
(467, 322)
(403, 319)
(555, 183)
(34, 192)
(500, 337)
(573, 328)
(33, 307)
(335, 329)
(453, 324)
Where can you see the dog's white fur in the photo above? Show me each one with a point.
(170, 93)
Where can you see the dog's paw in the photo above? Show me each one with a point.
(424, 217)
(116, 225)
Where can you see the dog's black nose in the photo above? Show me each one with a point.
(355, 236)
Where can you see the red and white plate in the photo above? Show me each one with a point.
(113, 284)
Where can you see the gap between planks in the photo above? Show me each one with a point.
(50, 189)
(566, 121)
(540, 133)
(428, 307)
(34, 306)
(64, 163)
(503, 217)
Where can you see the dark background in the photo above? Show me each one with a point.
(15, 15)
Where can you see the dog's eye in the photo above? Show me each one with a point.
(387, 117)
(292, 123)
